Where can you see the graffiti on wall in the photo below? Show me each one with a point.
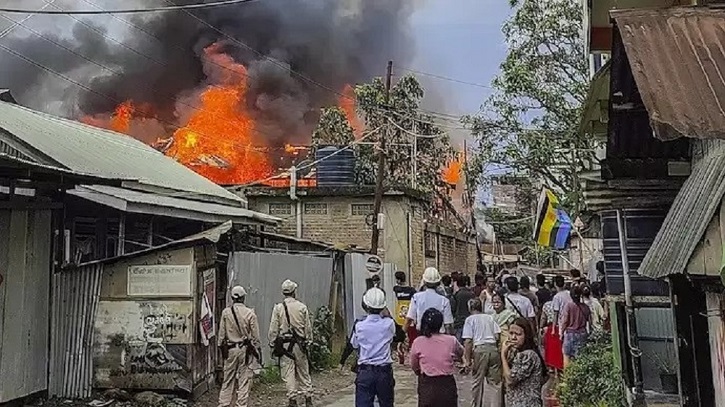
(161, 324)
(144, 337)
(152, 353)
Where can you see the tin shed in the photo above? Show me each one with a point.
(155, 318)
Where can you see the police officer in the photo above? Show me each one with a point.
(373, 337)
(291, 326)
(239, 340)
(429, 298)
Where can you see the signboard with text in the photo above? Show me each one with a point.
(159, 281)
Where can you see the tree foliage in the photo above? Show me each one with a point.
(530, 123)
(333, 128)
(400, 118)
(592, 379)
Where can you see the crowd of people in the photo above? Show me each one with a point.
(508, 335)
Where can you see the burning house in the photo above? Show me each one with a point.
(225, 91)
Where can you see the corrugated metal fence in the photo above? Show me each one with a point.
(75, 300)
(25, 253)
(656, 331)
(262, 274)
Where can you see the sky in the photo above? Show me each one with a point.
(460, 39)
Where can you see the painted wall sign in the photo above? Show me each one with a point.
(159, 280)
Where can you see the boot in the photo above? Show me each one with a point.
(308, 402)
(292, 403)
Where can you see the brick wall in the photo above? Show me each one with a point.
(337, 224)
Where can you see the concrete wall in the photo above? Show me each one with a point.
(401, 241)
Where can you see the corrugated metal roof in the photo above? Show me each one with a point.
(678, 60)
(127, 200)
(687, 220)
(31, 167)
(595, 116)
(91, 150)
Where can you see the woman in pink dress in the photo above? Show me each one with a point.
(432, 358)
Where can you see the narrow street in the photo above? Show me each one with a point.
(405, 391)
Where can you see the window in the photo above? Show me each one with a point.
(361, 209)
(315, 209)
(430, 244)
(280, 209)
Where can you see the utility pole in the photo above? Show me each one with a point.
(635, 395)
(381, 165)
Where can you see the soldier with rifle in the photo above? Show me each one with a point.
(239, 342)
(289, 333)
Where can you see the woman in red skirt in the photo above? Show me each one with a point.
(553, 354)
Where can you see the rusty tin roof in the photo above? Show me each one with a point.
(677, 57)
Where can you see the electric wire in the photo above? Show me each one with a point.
(116, 72)
(304, 167)
(193, 6)
(24, 19)
(446, 78)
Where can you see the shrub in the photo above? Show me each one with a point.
(592, 379)
(319, 348)
(269, 375)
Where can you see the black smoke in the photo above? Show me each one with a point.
(329, 42)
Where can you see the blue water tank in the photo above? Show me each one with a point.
(337, 169)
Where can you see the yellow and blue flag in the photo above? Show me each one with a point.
(553, 225)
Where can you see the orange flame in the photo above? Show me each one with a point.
(348, 105)
(451, 174)
(217, 140)
(119, 121)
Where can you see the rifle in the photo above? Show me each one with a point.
(289, 338)
(250, 350)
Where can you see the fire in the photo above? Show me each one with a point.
(451, 174)
(217, 139)
(217, 136)
(119, 121)
(347, 104)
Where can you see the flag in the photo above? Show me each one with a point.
(553, 225)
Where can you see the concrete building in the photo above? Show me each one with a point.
(411, 238)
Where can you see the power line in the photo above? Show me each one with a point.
(416, 135)
(347, 147)
(102, 66)
(445, 78)
(192, 6)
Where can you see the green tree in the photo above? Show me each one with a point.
(530, 123)
(402, 120)
(333, 128)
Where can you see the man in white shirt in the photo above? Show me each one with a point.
(518, 303)
(487, 295)
(429, 299)
(561, 298)
(481, 334)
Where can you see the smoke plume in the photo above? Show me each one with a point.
(331, 42)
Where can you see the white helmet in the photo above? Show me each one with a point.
(431, 276)
(374, 298)
(288, 287)
(238, 292)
